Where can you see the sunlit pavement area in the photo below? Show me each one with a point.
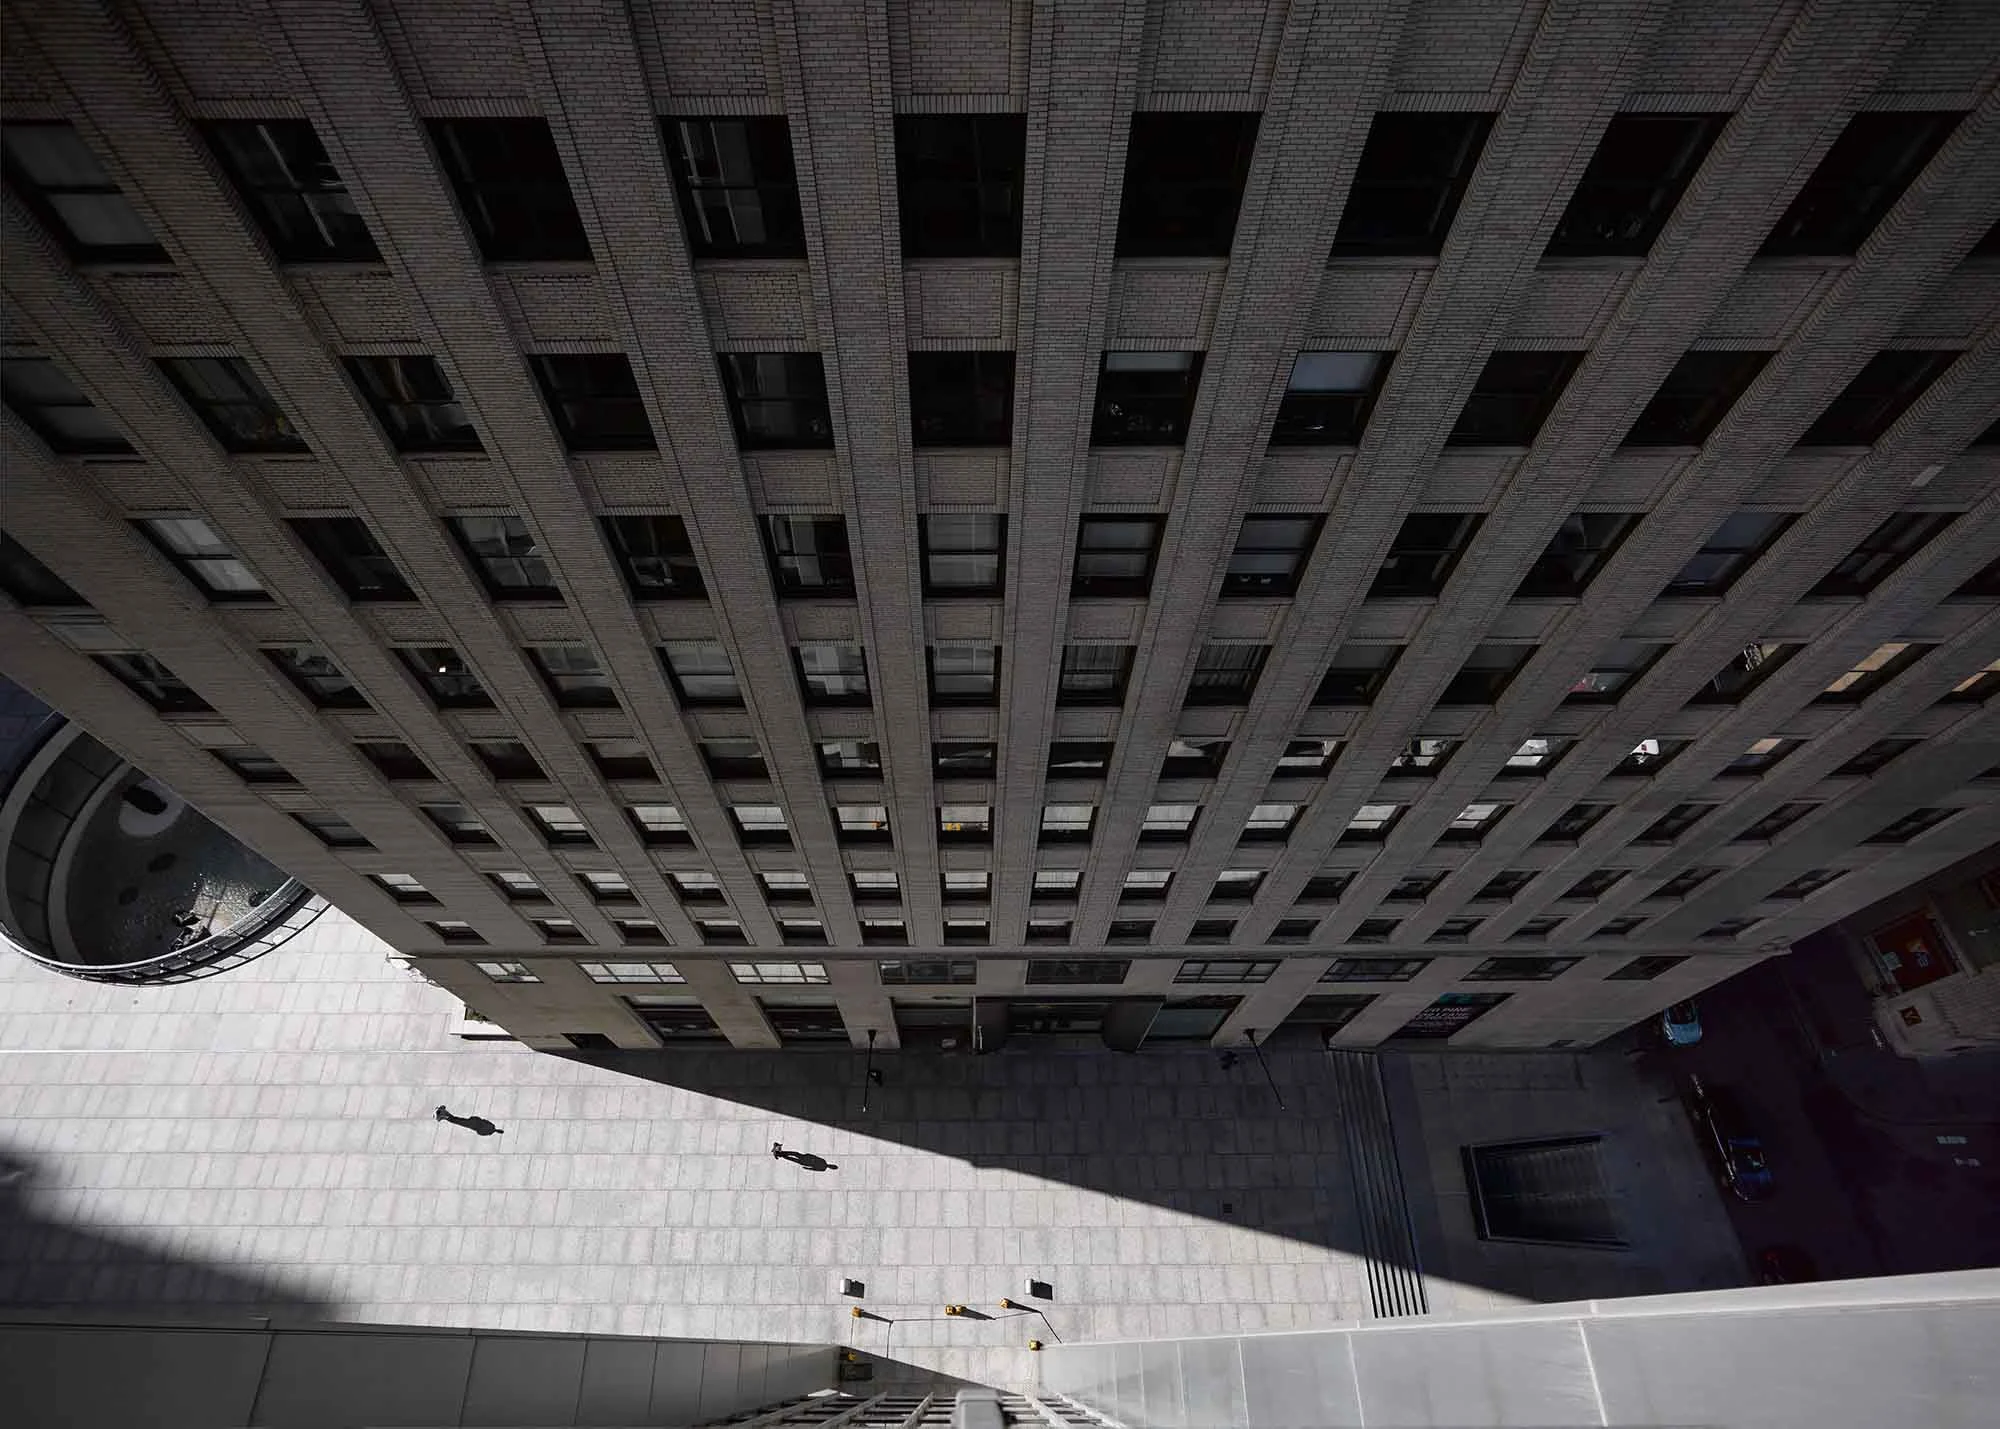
(266, 1140)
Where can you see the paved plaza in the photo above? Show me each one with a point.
(266, 1140)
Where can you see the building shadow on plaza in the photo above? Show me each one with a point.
(52, 1263)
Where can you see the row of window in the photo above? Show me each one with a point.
(960, 182)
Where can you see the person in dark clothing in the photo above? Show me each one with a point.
(802, 1158)
(471, 1123)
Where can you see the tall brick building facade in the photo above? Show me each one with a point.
(852, 521)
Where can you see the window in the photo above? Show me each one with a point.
(1455, 930)
(964, 554)
(965, 823)
(1642, 166)
(1858, 182)
(874, 885)
(760, 824)
(832, 673)
(1054, 885)
(1623, 927)
(352, 557)
(317, 677)
(964, 759)
(1649, 754)
(1413, 171)
(1675, 822)
(778, 972)
(1415, 887)
(594, 400)
(560, 824)
(1272, 822)
(1234, 885)
(1574, 822)
(1146, 885)
(1879, 394)
(1044, 971)
(1504, 887)
(1357, 674)
(1115, 555)
(1328, 398)
(1761, 755)
(507, 556)
(558, 930)
(1596, 884)
(739, 194)
(802, 931)
(621, 759)
(1909, 826)
(849, 758)
(734, 759)
(1487, 672)
(1374, 969)
(809, 555)
(967, 885)
(1293, 930)
(1232, 970)
(700, 672)
(1645, 969)
(1145, 399)
(1375, 930)
(1307, 756)
(1184, 175)
(574, 677)
(1622, 662)
(641, 930)
(1270, 555)
(1426, 548)
(234, 406)
(57, 176)
(1977, 687)
(1474, 822)
(518, 887)
(963, 673)
(1079, 759)
(253, 765)
(1168, 823)
(1326, 886)
(1869, 760)
(1226, 674)
(394, 758)
(720, 931)
(292, 189)
(1806, 884)
(659, 824)
(1730, 928)
(607, 887)
(1514, 395)
(1738, 541)
(1696, 395)
(861, 823)
(1422, 758)
(511, 189)
(1744, 673)
(884, 930)
(403, 888)
(192, 545)
(42, 395)
(1883, 551)
(1684, 882)
(1371, 823)
(1575, 554)
(1521, 969)
(961, 399)
(1539, 927)
(332, 830)
(444, 674)
(153, 682)
(1775, 822)
(654, 554)
(958, 179)
(777, 400)
(966, 930)
(1986, 581)
(784, 886)
(1049, 930)
(1194, 758)
(631, 972)
(1537, 755)
(1094, 674)
(934, 972)
(507, 759)
(1067, 823)
(507, 972)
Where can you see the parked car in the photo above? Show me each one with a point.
(1681, 1024)
(1732, 1147)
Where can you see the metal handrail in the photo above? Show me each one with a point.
(274, 922)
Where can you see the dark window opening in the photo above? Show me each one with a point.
(959, 179)
(42, 395)
(1413, 172)
(1883, 551)
(443, 673)
(353, 557)
(1328, 398)
(1642, 166)
(809, 555)
(507, 556)
(964, 553)
(1514, 395)
(1357, 674)
(60, 179)
(655, 556)
(1577, 552)
(283, 174)
(1724, 556)
(1115, 555)
(739, 193)
(1694, 398)
(777, 400)
(594, 400)
(1145, 399)
(234, 406)
(511, 189)
(1184, 177)
(1094, 674)
(961, 399)
(1858, 182)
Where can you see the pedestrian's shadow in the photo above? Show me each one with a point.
(803, 1158)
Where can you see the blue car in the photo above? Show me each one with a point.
(1681, 1024)
(1735, 1151)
